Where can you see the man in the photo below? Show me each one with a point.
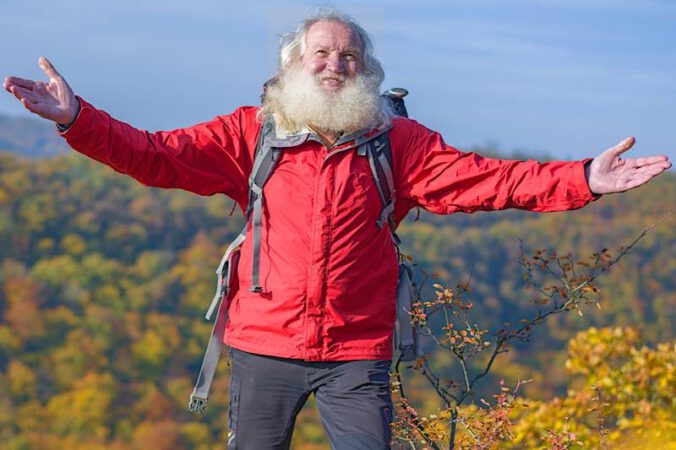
(312, 310)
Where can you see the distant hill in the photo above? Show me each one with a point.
(31, 138)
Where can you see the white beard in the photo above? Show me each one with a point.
(297, 99)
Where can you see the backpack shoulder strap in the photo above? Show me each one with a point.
(265, 161)
(268, 153)
(379, 153)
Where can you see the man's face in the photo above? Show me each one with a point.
(333, 54)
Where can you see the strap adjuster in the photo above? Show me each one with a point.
(197, 404)
(408, 353)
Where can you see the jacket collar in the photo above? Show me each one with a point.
(281, 137)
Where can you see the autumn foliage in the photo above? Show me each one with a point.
(104, 284)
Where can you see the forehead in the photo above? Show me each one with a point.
(332, 35)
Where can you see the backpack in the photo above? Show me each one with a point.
(374, 146)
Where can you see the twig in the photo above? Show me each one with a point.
(574, 294)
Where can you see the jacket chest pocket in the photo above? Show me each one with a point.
(357, 193)
(356, 187)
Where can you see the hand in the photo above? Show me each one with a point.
(608, 173)
(54, 100)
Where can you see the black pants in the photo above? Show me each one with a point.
(266, 394)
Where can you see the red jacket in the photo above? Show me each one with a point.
(329, 273)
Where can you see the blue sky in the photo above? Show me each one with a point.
(567, 78)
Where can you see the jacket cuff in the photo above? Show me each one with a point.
(585, 163)
(64, 129)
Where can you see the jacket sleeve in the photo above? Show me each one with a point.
(444, 180)
(212, 157)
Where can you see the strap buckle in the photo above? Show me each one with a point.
(408, 353)
(197, 404)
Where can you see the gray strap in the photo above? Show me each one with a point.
(264, 164)
(361, 140)
(376, 177)
(406, 338)
(257, 165)
(200, 395)
(377, 158)
(290, 141)
(219, 287)
(351, 136)
(256, 223)
(388, 206)
(387, 170)
(385, 215)
(224, 273)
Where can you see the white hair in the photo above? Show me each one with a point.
(293, 44)
(294, 98)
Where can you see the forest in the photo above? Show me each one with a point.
(104, 285)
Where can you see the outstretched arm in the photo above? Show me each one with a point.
(207, 158)
(53, 100)
(444, 180)
(608, 173)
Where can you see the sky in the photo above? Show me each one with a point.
(557, 78)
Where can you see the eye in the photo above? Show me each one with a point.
(321, 52)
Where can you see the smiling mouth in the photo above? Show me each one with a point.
(331, 82)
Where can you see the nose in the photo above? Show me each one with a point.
(335, 63)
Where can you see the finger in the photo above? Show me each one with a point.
(22, 82)
(33, 107)
(48, 68)
(649, 160)
(640, 180)
(657, 167)
(40, 108)
(14, 90)
(21, 93)
(622, 147)
(647, 173)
